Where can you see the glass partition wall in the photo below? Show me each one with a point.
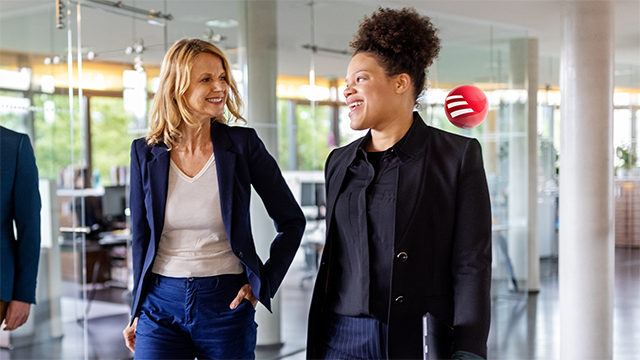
(131, 54)
(493, 58)
(78, 78)
(37, 99)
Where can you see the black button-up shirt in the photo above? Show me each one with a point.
(365, 226)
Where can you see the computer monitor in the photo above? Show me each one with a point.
(114, 204)
(312, 194)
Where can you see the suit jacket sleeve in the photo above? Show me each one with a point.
(139, 225)
(282, 207)
(27, 218)
(471, 259)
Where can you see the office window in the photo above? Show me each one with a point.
(53, 143)
(111, 137)
(304, 135)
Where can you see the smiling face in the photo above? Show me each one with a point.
(370, 94)
(208, 88)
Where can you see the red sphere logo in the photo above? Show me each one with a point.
(466, 106)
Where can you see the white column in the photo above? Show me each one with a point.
(523, 155)
(258, 43)
(533, 271)
(518, 177)
(586, 244)
(262, 70)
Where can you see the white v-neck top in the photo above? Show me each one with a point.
(194, 242)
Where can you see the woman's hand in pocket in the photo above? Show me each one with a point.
(130, 335)
(244, 293)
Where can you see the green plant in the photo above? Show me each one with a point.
(627, 157)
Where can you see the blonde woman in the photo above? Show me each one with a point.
(197, 277)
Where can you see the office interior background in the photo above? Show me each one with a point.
(78, 77)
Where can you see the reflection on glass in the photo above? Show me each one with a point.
(53, 136)
(304, 135)
(111, 137)
(14, 111)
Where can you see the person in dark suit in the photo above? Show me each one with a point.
(19, 203)
(197, 276)
(408, 212)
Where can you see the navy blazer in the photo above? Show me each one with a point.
(442, 244)
(19, 201)
(241, 161)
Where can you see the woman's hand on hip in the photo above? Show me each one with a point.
(244, 293)
(130, 335)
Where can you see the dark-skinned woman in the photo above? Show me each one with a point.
(408, 212)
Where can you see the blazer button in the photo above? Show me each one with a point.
(400, 299)
(402, 256)
(240, 254)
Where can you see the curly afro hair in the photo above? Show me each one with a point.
(402, 41)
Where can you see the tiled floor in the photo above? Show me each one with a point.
(523, 327)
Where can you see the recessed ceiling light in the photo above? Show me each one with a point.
(223, 23)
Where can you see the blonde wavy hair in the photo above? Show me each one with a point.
(169, 108)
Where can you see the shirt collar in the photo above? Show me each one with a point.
(410, 145)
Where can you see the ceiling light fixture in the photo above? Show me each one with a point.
(57, 59)
(316, 48)
(152, 21)
(151, 16)
(222, 23)
(123, 6)
(59, 14)
(137, 47)
(212, 37)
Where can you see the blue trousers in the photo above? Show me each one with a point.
(185, 318)
(348, 338)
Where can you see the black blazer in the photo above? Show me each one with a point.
(442, 258)
(241, 161)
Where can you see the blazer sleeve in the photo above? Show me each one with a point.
(283, 209)
(27, 218)
(471, 258)
(139, 225)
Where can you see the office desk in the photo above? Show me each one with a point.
(119, 245)
(97, 262)
(106, 259)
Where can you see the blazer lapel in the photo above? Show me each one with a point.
(158, 170)
(225, 161)
(337, 178)
(412, 175)
(332, 194)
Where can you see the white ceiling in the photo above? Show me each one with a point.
(29, 26)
